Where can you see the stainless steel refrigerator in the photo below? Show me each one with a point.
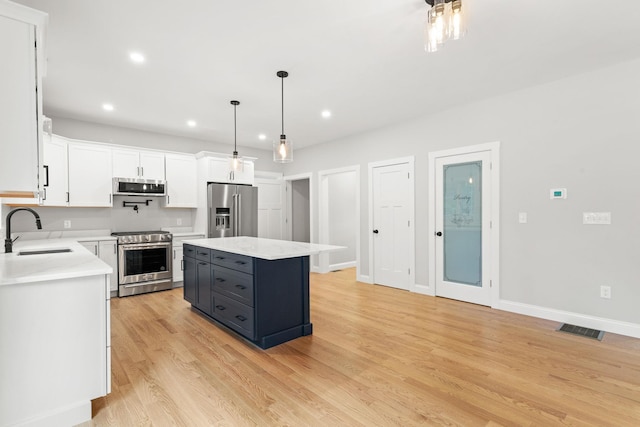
(233, 210)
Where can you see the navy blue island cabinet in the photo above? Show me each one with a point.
(265, 301)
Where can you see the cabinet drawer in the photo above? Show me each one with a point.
(235, 315)
(189, 251)
(232, 261)
(233, 284)
(203, 254)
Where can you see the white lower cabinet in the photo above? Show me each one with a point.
(178, 251)
(107, 251)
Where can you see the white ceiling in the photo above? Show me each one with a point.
(362, 59)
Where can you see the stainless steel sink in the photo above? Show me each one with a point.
(44, 251)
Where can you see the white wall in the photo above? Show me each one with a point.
(581, 133)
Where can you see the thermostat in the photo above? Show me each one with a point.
(558, 193)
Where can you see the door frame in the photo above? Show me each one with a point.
(323, 215)
(494, 230)
(410, 161)
(288, 230)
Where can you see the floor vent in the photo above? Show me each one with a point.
(583, 332)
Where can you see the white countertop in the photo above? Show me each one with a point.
(269, 249)
(16, 269)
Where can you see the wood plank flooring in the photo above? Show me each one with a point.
(377, 357)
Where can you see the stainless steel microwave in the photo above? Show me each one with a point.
(139, 187)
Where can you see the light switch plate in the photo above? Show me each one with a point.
(596, 218)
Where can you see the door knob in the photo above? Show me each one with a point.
(375, 231)
(439, 233)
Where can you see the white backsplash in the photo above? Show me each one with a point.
(117, 218)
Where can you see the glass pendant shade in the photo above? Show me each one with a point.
(283, 150)
(457, 22)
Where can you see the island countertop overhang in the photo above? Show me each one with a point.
(257, 247)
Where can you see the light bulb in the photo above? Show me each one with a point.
(283, 149)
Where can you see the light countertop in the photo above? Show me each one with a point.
(16, 269)
(269, 249)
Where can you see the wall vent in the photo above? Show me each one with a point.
(583, 332)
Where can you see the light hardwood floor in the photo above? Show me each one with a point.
(377, 357)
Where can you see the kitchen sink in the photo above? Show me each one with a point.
(44, 251)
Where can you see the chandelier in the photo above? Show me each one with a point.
(445, 21)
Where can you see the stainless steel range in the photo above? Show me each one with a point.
(144, 262)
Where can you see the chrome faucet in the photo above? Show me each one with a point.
(8, 243)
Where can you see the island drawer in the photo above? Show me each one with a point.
(233, 261)
(233, 314)
(233, 284)
(189, 251)
(203, 254)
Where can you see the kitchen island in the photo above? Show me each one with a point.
(258, 288)
(54, 333)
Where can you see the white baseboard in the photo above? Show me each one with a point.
(593, 322)
(364, 279)
(342, 265)
(422, 289)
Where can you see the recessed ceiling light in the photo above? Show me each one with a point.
(326, 114)
(136, 57)
(262, 137)
(107, 107)
(191, 123)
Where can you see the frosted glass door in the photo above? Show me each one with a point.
(462, 235)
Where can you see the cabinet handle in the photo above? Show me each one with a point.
(242, 288)
(141, 171)
(46, 175)
(241, 318)
(109, 198)
(44, 191)
(67, 197)
(182, 265)
(174, 254)
(202, 253)
(218, 279)
(241, 262)
(220, 257)
(202, 263)
(115, 248)
(221, 307)
(168, 200)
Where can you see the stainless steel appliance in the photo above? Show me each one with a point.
(139, 187)
(144, 262)
(233, 210)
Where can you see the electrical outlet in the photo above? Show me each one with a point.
(605, 292)
(522, 217)
(179, 221)
(67, 223)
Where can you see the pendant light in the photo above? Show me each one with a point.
(282, 149)
(236, 163)
(446, 20)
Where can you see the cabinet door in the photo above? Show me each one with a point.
(19, 147)
(89, 175)
(218, 170)
(190, 279)
(126, 163)
(181, 172)
(108, 252)
(56, 179)
(204, 286)
(151, 165)
(92, 246)
(178, 265)
(246, 176)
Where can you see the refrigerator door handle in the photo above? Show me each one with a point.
(239, 214)
(235, 214)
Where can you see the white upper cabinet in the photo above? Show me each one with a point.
(181, 172)
(219, 169)
(90, 180)
(56, 171)
(138, 164)
(21, 44)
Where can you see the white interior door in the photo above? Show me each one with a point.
(462, 227)
(271, 205)
(392, 193)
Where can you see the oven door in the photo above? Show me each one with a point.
(144, 262)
